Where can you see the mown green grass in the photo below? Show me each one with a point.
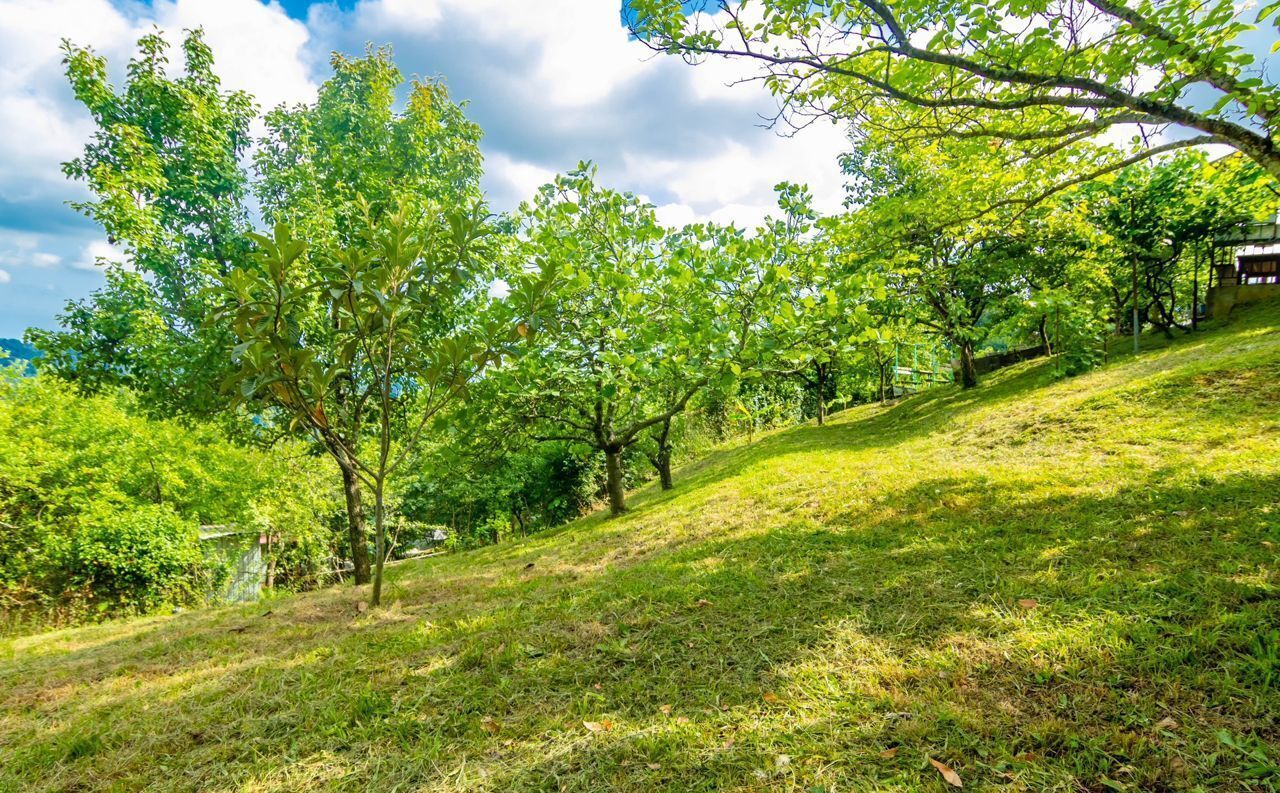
(794, 610)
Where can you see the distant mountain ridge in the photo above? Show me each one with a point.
(17, 349)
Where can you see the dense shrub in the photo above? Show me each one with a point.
(100, 506)
(139, 558)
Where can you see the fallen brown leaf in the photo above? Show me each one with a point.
(1028, 603)
(665, 709)
(948, 773)
(702, 602)
(771, 698)
(490, 726)
(1167, 723)
(653, 766)
(682, 719)
(362, 607)
(889, 754)
(603, 725)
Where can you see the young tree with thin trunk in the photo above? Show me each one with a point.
(330, 168)
(404, 301)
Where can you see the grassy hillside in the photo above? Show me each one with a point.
(1043, 585)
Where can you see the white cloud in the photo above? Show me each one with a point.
(412, 14)
(23, 249)
(511, 181)
(5, 277)
(98, 249)
(580, 51)
(43, 127)
(737, 184)
(675, 215)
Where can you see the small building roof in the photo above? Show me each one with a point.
(1251, 234)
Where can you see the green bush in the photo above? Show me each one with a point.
(100, 505)
(136, 559)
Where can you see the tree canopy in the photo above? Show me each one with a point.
(1041, 75)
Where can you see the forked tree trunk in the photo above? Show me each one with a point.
(968, 368)
(616, 487)
(355, 522)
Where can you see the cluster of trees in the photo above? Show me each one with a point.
(497, 374)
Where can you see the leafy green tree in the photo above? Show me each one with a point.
(818, 319)
(330, 169)
(635, 324)
(327, 167)
(163, 168)
(951, 269)
(1045, 74)
(402, 302)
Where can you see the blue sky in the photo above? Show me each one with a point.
(551, 82)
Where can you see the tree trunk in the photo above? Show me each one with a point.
(968, 369)
(822, 392)
(379, 545)
(355, 522)
(1042, 330)
(664, 471)
(617, 488)
(662, 461)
